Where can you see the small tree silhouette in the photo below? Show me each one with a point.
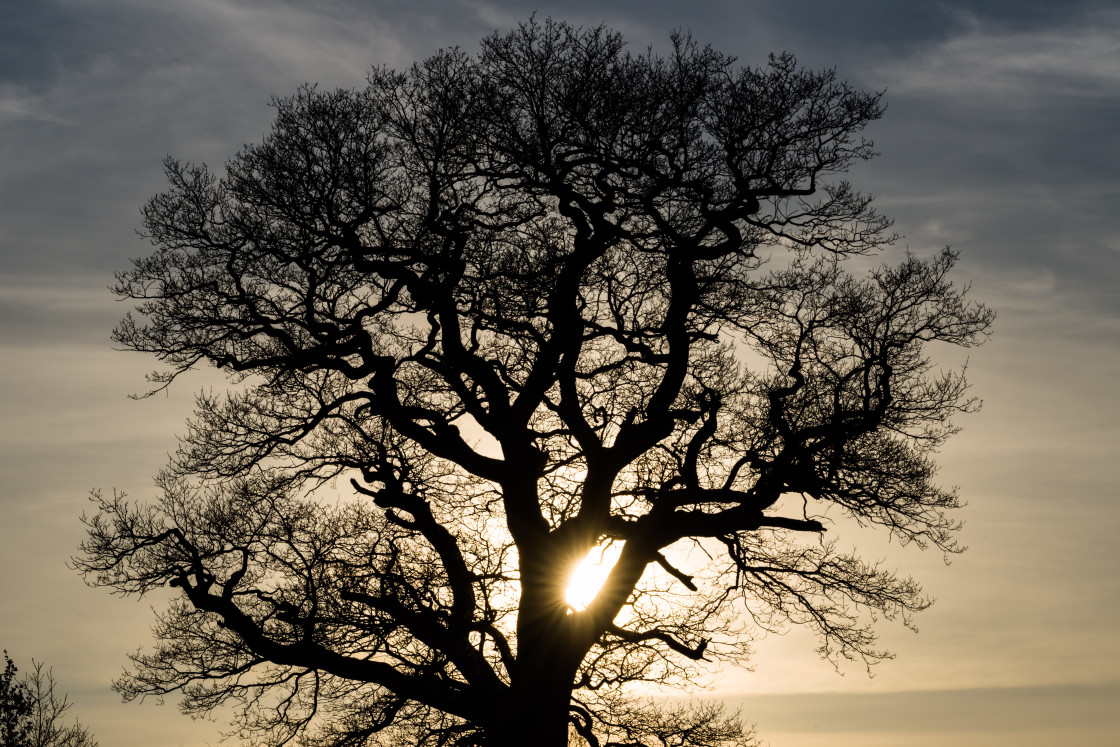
(15, 707)
(32, 711)
(528, 303)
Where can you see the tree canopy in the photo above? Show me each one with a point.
(497, 312)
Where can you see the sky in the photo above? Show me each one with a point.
(999, 139)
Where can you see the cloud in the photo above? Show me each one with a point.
(1026, 716)
(1002, 138)
(1080, 59)
(20, 107)
(978, 709)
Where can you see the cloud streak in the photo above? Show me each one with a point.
(1030, 68)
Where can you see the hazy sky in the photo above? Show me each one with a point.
(1000, 139)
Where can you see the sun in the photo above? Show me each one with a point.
(589, 574)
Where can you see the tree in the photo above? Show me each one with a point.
(498, 312)
(32, 712)
(15, 707)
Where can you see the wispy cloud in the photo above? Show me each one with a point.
(1081, 58)
(1005, 133)
(1026, 716)
(13, 107)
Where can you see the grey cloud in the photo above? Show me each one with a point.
(1006, 137)
(143, 81)
(1020, 69)
(40, 40)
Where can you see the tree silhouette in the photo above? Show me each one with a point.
(526, 304)
(15, 707)
(32, 712)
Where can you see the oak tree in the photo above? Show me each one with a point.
(498, 312)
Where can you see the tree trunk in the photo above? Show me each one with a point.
(536, 716)
(536, 713)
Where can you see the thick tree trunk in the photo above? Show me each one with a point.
(536, 716)
(536, 713)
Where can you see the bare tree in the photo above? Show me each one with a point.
(33, 711)
(498, 312)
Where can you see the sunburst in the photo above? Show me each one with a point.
(589, 575)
